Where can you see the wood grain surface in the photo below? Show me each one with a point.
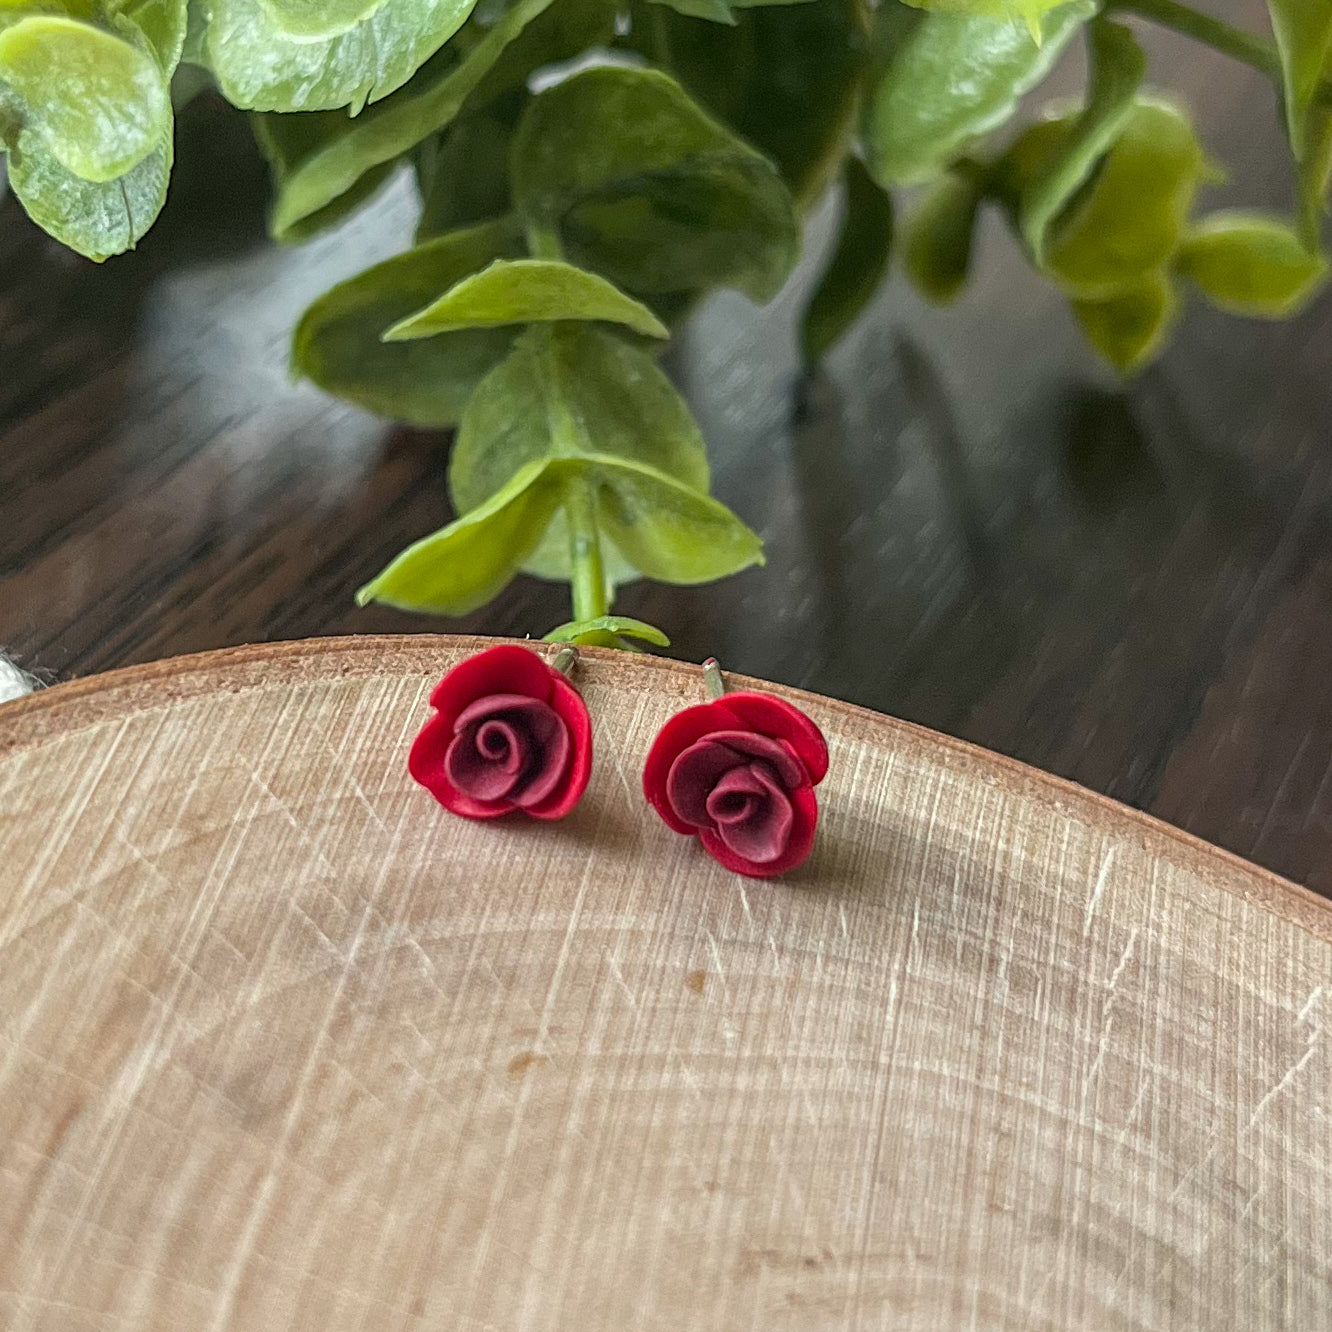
(283, 1046)
(974, 525)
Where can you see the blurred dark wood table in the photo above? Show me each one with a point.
(973, 525)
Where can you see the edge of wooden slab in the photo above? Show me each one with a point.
(66, 708)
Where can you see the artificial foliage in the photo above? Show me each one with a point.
(588, 170)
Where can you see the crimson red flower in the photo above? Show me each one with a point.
(510, 732)
(739, 773)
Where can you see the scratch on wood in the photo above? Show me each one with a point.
(1123, 960)
(1108, 1016)
(359, 792)
(744, 904)
(238, 1259)
(614, 967)
(1102, 877)
(1287, 1078)
(717, 958)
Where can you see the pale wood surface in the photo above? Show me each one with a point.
(282, 1045)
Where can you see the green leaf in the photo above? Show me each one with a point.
(162, 23)
(1128, 329)
(337, 342)
(532, 439)
(719, 11)
(938, 239)
(1251, 264)
(670, 531)
(1313, 171)
(643, 186)
(1028, 13)
(785, 78)
(1304, 41)
(1129, 219)
(942, 80)
(318, 18)
(579, 631)
(857, 266)
(615, 394)
(281, 139)
(463, 175)
(526, 291)
(261, 64)
(96, 104)
(467, 563)
(342, 207)
(285, 141)
(325, 158)
(564, 31)
(98, 219)
(1303, 32)
(1117, 67)
(581, 394)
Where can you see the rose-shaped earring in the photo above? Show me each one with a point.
(509, 733)
(739, 773)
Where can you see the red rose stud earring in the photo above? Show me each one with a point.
(739, 773)
(509, 733)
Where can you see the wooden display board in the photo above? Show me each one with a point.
(283, 1045)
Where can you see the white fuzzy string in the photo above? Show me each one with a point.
(14, 683)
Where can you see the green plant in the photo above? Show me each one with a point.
(570, 218)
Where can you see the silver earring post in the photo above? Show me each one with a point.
(565, 660)
(712, 678)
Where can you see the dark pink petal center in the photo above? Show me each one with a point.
(693, 775)
(777, 752)
(499, 742)
(507, 747)
(730, 806)
(735, 784)
(752, 812)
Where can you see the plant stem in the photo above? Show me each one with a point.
(543, 242)
(1241, 46)
(589, 572)
(661, 39)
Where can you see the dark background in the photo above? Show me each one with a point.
(973, 525)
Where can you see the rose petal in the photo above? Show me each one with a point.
(550, 746)
(532, 753)
(790, 771)
(736, 796)
(682, 730)
(568, 705)
(506, 669)
(733, 807)
(763, 820)
(561, 730)
(805, 812)
(498, 742)
(776, 717)
(488, 757)
(694, 775)
(492, 705)
(425, 762)
(540, 722)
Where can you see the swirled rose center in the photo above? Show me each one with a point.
(735, 783)
(508, 747)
